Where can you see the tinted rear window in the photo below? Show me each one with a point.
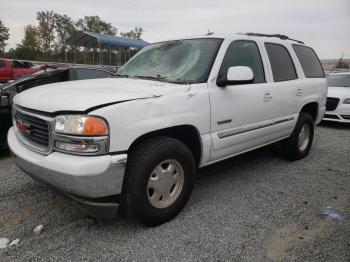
(2, 63)
(309, 61)
(281, 62)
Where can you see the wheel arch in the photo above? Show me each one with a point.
(187, 134)
(311, 108)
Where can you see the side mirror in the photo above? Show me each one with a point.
(4, 101)
(237, 75)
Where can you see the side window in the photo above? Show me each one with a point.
(16, 64)
(244, 53)
(2, 63)
(309, 61)
(281, 63)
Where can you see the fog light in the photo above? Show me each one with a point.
(81, 148)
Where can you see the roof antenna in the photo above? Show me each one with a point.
(210, 33)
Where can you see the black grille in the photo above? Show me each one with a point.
(347, 117)
(37, 129)
(332, 103)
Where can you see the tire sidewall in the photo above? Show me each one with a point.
(303, 119)
(136, 189)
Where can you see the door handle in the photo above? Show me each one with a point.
(299, 92)
(267, 97)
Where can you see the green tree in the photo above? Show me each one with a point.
(136, 33)
(64, 27)
(11, 53)
(29, 48)
(95, 24)
(46, 29)
(4, 36)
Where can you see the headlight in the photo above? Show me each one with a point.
(346, 101)
(81, 134)
(81, 125)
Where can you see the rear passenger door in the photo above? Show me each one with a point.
(286, 89)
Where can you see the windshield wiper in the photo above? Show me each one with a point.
(184, 82)
(165, 79)
(120, 75)
(158, 78)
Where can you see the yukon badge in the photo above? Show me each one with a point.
(226, 121)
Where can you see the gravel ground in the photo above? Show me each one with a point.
(255, 207)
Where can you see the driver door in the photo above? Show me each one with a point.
(241, 114)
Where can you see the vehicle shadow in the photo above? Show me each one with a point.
(336, 125)
(215, 174)
(4, 157)
(4, 153)
(244, 160)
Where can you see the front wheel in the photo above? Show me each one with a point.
(159, 180)
(298, 145)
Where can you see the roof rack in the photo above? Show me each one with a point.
(283, 37)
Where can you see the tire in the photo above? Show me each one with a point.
(291, 147)
(143, 195)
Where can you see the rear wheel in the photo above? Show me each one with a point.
(298, 145)
(159, 180)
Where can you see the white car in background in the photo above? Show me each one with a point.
(338, 98)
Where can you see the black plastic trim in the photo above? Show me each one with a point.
(280, 36)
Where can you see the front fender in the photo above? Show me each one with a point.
(130, 120)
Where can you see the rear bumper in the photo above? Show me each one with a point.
(321, 113)
(85, 179)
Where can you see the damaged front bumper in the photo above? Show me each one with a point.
(92, 181)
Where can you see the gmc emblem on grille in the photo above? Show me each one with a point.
(23, 127)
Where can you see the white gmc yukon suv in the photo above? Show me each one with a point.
(133, 143)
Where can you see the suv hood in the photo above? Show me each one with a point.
(82, 95)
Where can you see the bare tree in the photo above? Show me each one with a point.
(136, 33)
(341, 63)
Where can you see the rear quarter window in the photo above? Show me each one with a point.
(281, 63)
(309, 61)
(2, 63)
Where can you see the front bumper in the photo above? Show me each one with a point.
(77, 176)
(340, 114)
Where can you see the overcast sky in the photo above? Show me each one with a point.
(322, 24)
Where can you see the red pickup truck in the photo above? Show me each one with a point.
(13, 69)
